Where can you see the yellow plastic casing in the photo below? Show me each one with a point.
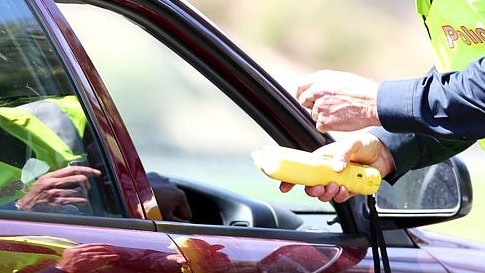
(309, 169)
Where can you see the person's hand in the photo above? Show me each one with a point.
(58, 188)
(172, 200)
(339, 101)
(362, 148)
(87, 257)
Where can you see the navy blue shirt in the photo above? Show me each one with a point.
(435, 117)
(449, 105)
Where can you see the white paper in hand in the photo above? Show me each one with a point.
(32, 169)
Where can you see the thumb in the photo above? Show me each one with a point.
(337, 165)
(337, 158)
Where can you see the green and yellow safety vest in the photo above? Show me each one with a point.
(31, 253)
(30, 124)
(457, 32)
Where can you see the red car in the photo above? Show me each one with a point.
(116, 113)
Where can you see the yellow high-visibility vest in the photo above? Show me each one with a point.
(457, 32)
(43, 140)
(31, 253)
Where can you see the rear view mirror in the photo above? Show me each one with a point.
(440, 190)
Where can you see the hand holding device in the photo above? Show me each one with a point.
(309, 169)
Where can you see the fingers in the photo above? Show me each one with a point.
(341, 152)
(323, 193)
(329, 192)
(68, 177)
(67, 196)
(87, 257)
(286, 187)
(69, 185)
(306, 99)
(314, 86)
(343, 195)
(74, 170)
(339, 101)
(332, 190)
(70, 182)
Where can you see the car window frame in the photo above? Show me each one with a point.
(37, 108)
(108, 130)
(230, 70)
(221, 53)
(73, 55)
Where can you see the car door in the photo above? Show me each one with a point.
(231, 210)
(242, 230)
(58, 124)
(110, 217)
(197, 127)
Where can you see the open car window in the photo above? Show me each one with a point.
(182, 125)
(45, 137)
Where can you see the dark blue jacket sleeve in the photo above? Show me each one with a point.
(446, 105)
(412, 151)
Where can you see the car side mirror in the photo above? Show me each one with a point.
(433, 194)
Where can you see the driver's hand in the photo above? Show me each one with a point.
(171, 200)
(58, 188)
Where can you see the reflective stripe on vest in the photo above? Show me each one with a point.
(457, 32)
(46, 138)
(64, 116)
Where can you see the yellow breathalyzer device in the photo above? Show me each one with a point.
(309, 169)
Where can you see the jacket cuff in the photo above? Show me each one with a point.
(395, 105)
